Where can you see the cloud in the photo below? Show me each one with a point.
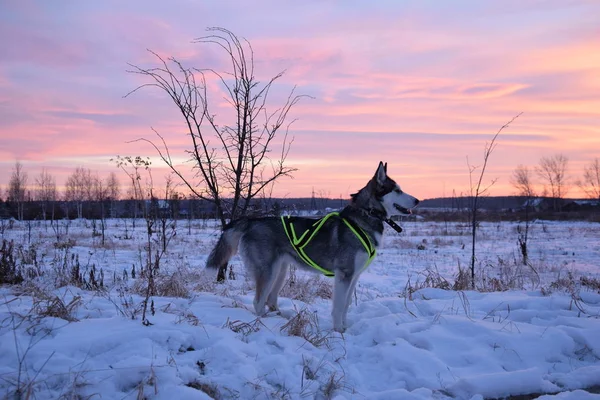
(108, 119)
(419, 84)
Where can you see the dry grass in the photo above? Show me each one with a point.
(490, 276)
(10, 272)
(306, 288)
(56, 307)
(327, 378)
(203, 281)
(46, 304)
(173, 285)
(592, 284)
(183, 316)
(305, 324)
(210, 389)
(430, 278)
(566, 283)
(334, 383)
(181, 282)
(244, 328)
(23, 382)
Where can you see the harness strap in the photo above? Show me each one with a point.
(299, 243)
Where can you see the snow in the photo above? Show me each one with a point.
(431, 343)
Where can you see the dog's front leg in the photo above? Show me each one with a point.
(341, 286)
(349, 294)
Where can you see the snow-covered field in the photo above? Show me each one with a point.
(406, 339)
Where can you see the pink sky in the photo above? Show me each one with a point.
(421, 84)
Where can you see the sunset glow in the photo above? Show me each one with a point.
(421, 85)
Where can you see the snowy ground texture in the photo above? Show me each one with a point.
(407, 338)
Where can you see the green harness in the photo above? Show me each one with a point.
(299, 243)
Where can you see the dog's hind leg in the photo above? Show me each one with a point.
(277, 285)
(265, 278)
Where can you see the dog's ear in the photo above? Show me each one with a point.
(381, 174)
(385, 167)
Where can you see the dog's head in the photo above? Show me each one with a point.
(383, 195)
(388, 193)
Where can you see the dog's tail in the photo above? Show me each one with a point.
(227, 246)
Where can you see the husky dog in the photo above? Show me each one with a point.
(339, 247)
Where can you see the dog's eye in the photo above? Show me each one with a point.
(397, 190)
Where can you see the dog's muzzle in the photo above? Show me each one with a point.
(403, 210)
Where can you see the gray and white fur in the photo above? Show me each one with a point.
(266, 251)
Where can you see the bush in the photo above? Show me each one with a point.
(10, 273)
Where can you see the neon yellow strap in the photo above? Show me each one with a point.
(299, 243)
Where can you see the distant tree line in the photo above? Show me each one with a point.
(554, 181)
(87, 195)
(39, 198)
(542, 187)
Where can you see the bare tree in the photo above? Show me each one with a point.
(229, 159)
(79, 188)
(136, 168)
(477, 189)
(553, 171)
(17, 189)
(591, 179)
(99, 196)
(45, 193)
(133, 167)
(167, 221)
(113, 187)
(522, 180)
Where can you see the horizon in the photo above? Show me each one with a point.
(421, 86)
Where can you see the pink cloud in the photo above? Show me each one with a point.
(421, 88)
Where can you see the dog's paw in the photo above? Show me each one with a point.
(272, 313)
(260, 312)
